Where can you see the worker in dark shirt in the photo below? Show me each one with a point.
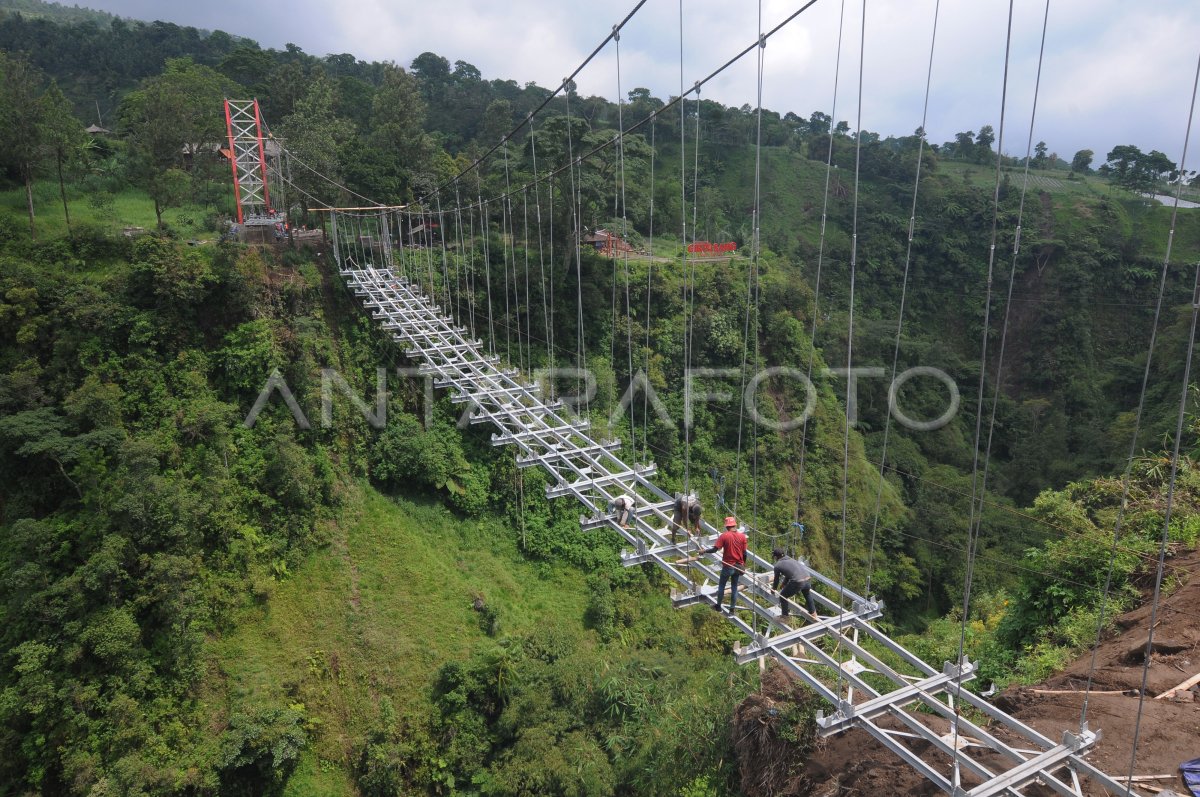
(732, 543)
(686, 514)
(795, 577)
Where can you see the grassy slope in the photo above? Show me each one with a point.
(131, 208)
(376, 614)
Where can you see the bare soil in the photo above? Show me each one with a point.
(1169, 733)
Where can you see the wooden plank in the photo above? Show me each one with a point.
(1188, 684)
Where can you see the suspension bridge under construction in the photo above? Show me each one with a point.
(922, 713)
(834, 656)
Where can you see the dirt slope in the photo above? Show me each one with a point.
(854, 763)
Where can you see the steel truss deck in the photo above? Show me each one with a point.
(866, 676)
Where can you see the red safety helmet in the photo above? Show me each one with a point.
(731, 522)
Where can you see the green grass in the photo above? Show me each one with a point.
(130, 208)
(377, 613)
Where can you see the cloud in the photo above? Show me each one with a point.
(1114, 72)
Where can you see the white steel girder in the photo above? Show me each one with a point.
(831, 655)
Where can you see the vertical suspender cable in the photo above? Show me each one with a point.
(687, 382)
(862, 46)
(445, 255)
(812, 354)
(756, 256)
(525, 248)
(912, 223)
(751, 274)
(1187, 372)
(485, 232)
(577, 211)
(427, 219)
(546, 288)
(1137, 425)
(504, 222)
(689, 292)
(978, 478)
(649, 292)
(472, 268)
(624, 234)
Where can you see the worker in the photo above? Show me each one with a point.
(623, 506)
(687, 512)
(795, 577)
(732, 544)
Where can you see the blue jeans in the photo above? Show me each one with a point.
(731, 574)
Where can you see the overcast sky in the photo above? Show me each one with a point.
(1115, 71)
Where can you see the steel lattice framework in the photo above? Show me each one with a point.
(248, 159)
(871, 681)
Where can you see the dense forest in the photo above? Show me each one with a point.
(196, 606)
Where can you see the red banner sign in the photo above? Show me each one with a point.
(706, 248)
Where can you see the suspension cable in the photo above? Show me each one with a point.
(751, 276)
(695, 89)
(546, 309)
(649, 293)
(577, 211)
(812, 354)
(1187, 371)
(528, 303)
(504, 206)
(1162, 547)
(1126, 478)
(687, 383)
(977, 489)
(862, 48)
(561, 87)
(912, 221)
(624, 237)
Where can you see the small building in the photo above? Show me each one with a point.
(97, 130)
(607, 243)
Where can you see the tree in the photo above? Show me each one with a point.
(63, 136)
(983, 142)
(497, 120)
(1039, 155)
(1138, 171)
(432, 72)
(313, 134)
(465, 72)
(172, 116)
(1158, 166)
(247, 65)
(21, 121)
(1082, 162)
(1121, 160)
(397, 126)
(818, 123)
(964, 144)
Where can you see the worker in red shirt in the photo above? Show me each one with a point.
(732, 543)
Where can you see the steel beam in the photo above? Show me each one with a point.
(593, 472)
(625, 479)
